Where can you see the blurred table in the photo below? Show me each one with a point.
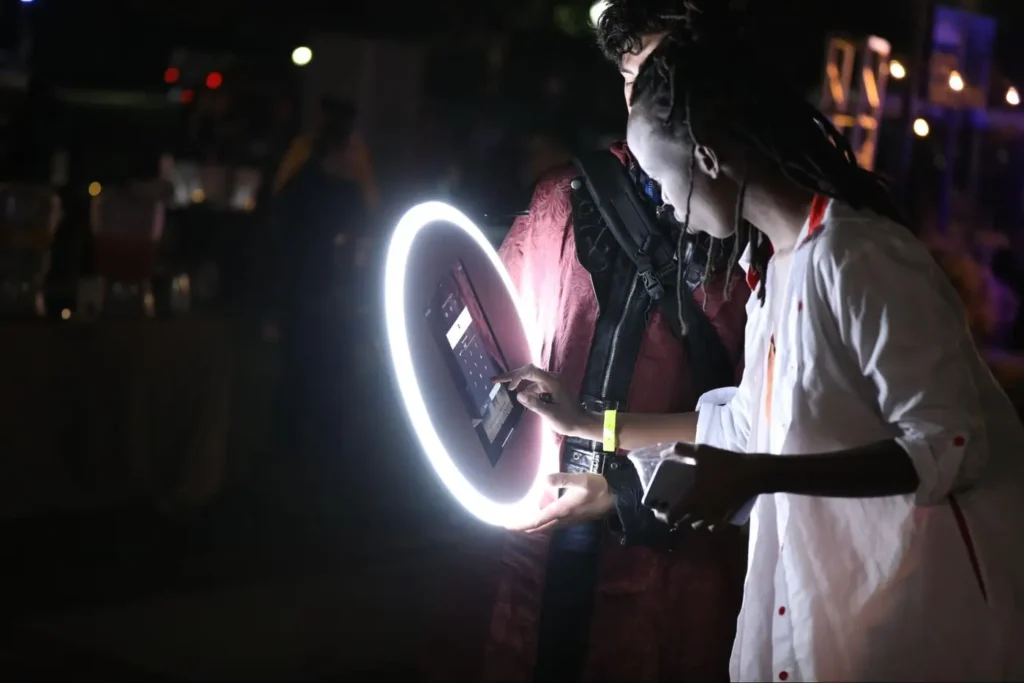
(114, 412)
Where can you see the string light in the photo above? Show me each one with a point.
(301, 56)
(956, 81)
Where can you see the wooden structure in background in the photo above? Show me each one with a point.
(861, 66)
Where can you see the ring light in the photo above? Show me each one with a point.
(501, 483)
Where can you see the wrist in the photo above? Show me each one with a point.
(591, 427)
(761, 474)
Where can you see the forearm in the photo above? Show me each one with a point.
(637, 430)
(872, 471)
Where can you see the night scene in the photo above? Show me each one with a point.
(537, 340)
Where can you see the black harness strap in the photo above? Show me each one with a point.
(631, 265)
(635, 228)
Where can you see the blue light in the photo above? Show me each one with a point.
(26, 2)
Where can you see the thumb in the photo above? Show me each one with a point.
(534, 403)
(514, 378)
(563, 480)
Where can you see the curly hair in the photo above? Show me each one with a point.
(706, 80)
(624, 23)
(620, 31)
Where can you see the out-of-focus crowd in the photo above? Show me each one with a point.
(991, 306)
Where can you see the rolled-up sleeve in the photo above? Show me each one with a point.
(723, 419)
(905, 329)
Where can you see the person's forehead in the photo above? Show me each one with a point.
(631, 62)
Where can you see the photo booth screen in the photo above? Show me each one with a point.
(473, 357)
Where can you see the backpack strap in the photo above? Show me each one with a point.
(630, 220)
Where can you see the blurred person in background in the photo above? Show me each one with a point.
(587, 603)
(316, 219)
(357, 165)
(275, 140)
(969, 281)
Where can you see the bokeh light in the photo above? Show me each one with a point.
(956, 81)
(301, 56)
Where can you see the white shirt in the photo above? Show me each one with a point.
(872, 345)
(778, 281)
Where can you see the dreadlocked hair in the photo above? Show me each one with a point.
(694, 83)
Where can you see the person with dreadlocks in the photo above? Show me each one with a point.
(885, 545)
(598, 600)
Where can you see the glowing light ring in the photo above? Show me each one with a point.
(415, 220)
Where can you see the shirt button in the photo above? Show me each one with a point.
(783, 675)
(782, 611)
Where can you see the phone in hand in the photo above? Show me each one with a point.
(673, 479)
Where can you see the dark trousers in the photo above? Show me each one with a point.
(568, 603)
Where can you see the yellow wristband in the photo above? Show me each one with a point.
(611, 431)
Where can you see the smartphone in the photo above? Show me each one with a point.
(673, 478)
(672, 481)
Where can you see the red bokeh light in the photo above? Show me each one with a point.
(172, 75)
(187, 96)
(214, 81)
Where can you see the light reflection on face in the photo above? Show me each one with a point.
(631, 63)
(666, 159)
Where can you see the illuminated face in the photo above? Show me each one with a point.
(665, 156)
(631, 63)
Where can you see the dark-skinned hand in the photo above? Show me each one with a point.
(723, 483)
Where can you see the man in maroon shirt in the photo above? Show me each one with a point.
(589, 602)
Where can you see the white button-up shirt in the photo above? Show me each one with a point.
(871, 344)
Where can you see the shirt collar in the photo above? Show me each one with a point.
(816, 217)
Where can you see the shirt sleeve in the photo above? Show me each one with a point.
(907, 333)
(723, 415)
(723, 419)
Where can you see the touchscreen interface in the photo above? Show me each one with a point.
(473, 357)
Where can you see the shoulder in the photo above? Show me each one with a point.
(300, 145)
(621, 150)
(854, 241)
(552, 196)
(555, 185)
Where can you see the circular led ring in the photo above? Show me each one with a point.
(412, 223)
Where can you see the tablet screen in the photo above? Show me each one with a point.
(473, 357)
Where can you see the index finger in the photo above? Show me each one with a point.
(513, 378)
